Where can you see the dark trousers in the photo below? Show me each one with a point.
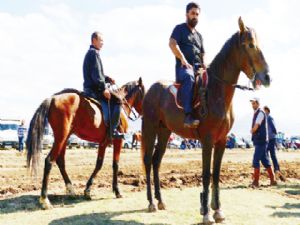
(272, 150)
(21, 144)
(115, 104)
(186, 78)
(261, 154)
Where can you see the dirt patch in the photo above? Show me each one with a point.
(178, 170)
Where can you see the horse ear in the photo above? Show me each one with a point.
(241, 25)
(140, 81)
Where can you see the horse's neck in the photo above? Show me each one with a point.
(225, 72)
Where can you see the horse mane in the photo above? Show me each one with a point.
(221, 59)
(217, 68)
(128, 87)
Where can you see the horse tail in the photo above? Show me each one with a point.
(36, 133)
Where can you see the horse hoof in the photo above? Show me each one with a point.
(45, 203)
(118, 195)
(70, 191)
(201, 211)
(208, 219)
(219, 216)
(151, 208)
(87, 194)
(161, 206)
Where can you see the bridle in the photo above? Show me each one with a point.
(235, 85)
(130, 108)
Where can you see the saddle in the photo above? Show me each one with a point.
(102, 105)
(199, 95)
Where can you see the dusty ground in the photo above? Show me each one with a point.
(180, 171)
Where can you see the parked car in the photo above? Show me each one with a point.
(48, 138)
(294, 142)
(75, 141)
(175, 143)
(9, 133)
(239, 143)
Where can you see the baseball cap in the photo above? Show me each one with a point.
(255, 99)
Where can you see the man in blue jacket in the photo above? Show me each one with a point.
(95, 80)
(259, 133)
(272, 142)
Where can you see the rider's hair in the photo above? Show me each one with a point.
(96, 34)
(192, 5)
(267, 109)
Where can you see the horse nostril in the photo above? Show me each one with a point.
(268, 79)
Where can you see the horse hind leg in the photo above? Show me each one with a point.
(160, 149)
(60, 161)
(148, 140)
(52, 157)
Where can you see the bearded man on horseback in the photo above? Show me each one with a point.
(94, 84)
(187, 45)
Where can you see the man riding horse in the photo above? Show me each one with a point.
(94, 85)
(187, 45)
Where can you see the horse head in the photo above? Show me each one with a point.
(253, 63)
(135, 92)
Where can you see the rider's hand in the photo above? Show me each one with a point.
(106, 94)
(186, 64)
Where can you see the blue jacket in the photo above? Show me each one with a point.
(93, 74)
(271, 127)
(260, 135)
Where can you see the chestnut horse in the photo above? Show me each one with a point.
(69, 112)
(161, 116)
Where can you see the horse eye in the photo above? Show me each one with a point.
(251, 45)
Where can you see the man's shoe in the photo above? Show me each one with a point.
(190, 122)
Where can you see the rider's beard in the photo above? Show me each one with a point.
(192, 22)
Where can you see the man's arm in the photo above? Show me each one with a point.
(178, 54)
(256, 126)
(260, 117)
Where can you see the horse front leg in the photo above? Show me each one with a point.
(206, 161)
(215, 200)
(116, 158)
(99, 163)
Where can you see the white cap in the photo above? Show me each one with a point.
(255, 99)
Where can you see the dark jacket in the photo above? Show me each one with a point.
(93, 75)
(271, 127)
(260, 135)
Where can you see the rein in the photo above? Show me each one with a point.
(125, 103)
(238, 86)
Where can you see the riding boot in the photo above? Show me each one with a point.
(115, 120)
(271, 176)
(190, 122)
(255, 182)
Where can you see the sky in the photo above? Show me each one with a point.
(43, 43)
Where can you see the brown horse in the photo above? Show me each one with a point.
(161, 116)
(71, 113)
(136, 138)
